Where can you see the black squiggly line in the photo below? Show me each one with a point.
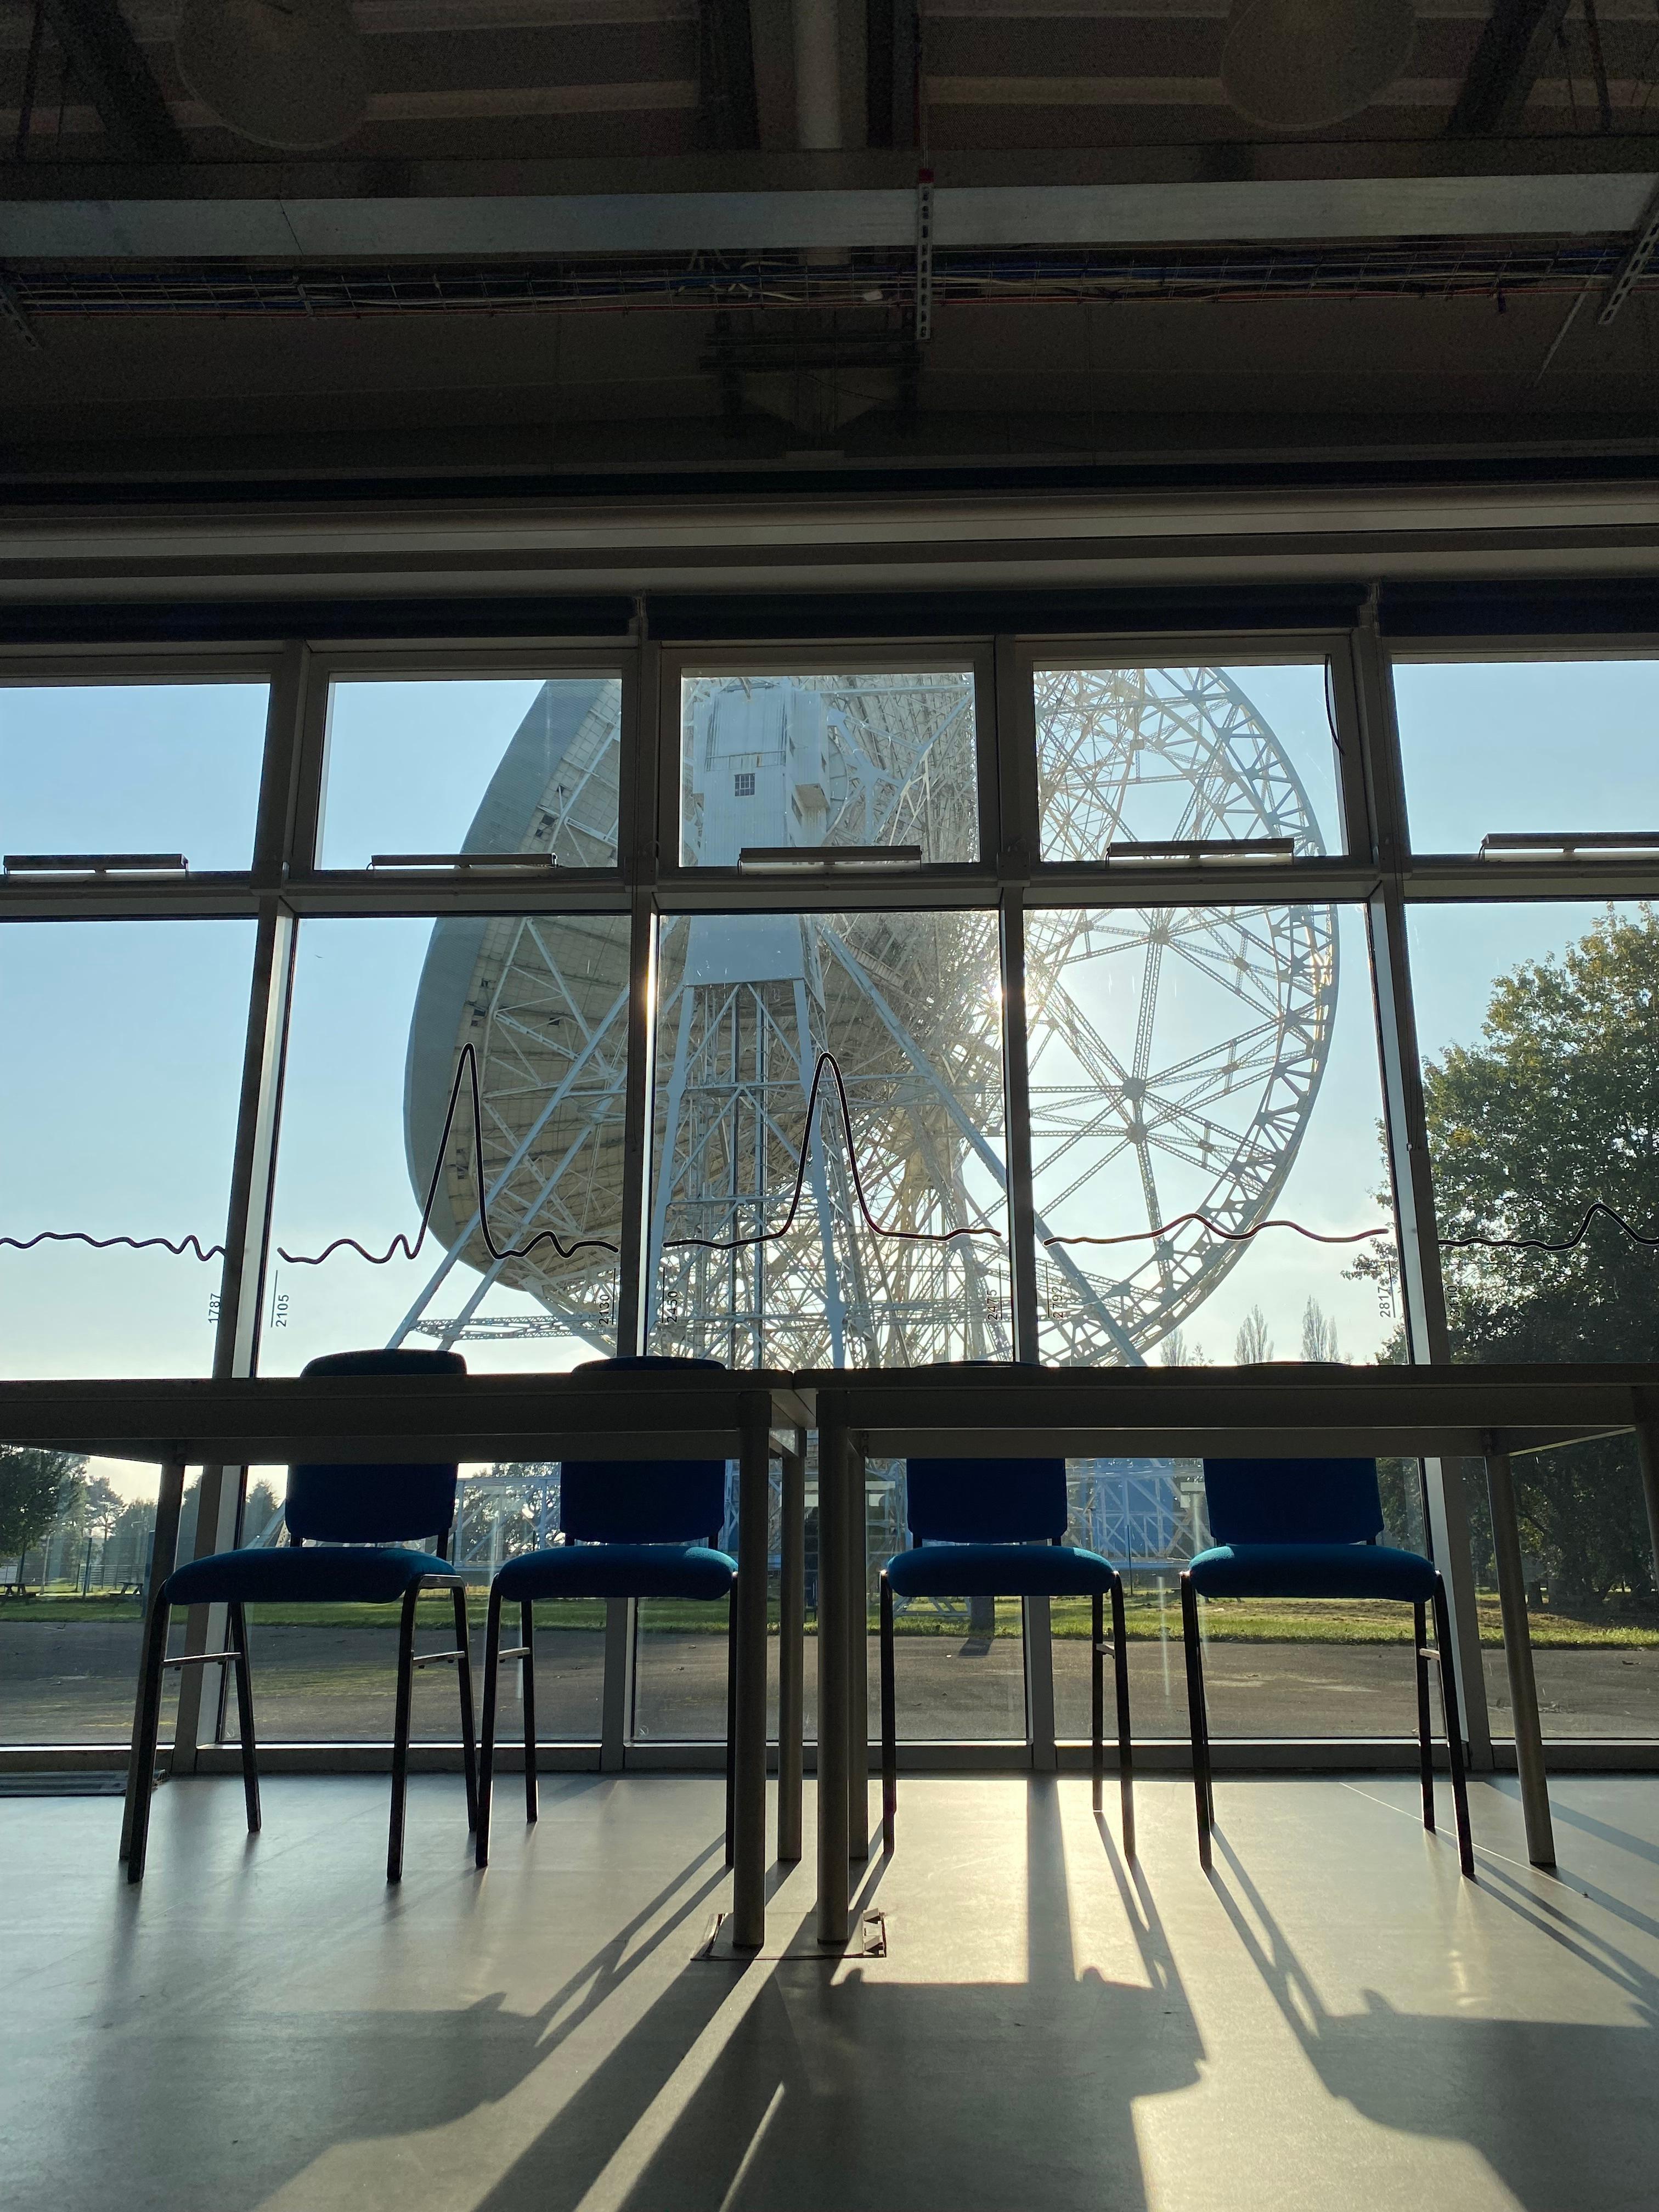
(876, 1228)
(468, 1065)
(190, 1243)
(1542, 1244)
(1232, 1236)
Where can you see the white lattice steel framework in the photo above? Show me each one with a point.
(1133, 1117)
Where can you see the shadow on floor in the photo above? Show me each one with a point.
(1562, 2111)
(826, 2092)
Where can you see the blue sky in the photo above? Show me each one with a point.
(126, 1038)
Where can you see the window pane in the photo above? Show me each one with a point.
(1305, 1667)
(381, 1012)
(1536, 1026)
(124, 1107)
(959, 1662)
(326, 1673)
(908, 1005)
(74, 1552)
(497, 765)
(132, 767)
(1147, 754)
(1535, 744)
(1214, 1062)
(118, 1103)
(808, 759)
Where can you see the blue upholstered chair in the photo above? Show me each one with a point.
(350, 1532)
(632, 1529)
(1307, 1528)
(994, 1528)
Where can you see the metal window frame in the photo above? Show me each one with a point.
(284, 884)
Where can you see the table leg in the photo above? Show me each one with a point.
(791, 1654)
(1647, 1453)
(1517, 1652)
(832, 1670)
(857, 1658)
(749, 1763)
(163, 1558)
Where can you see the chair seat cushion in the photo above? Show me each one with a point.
(998, 1570)
(619, 1570)
(1312, 1570)
(368, 1574)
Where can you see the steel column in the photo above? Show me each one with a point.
(749, 1752)
(858, 1654)
(1647, 1454)
(1517, 1655)
(833, 1622)
(1365, 707)
(792, 1653)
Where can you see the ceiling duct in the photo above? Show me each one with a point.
(1302, 64)
(288, 73)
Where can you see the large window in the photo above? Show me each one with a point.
(761, 1095)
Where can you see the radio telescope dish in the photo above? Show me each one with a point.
(1147, 1100)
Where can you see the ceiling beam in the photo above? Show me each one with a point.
(671, 222)
(1513, 49)
(110, 67)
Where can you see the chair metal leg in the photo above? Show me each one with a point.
(1424, 1748)
(731, 1723)
(394, 1850)
(487, 1738)
(889, 1721)
(1453, 1727)
(533, 1804)
(141, 1777)
(1197, 1720)
(464, 1673)
(1097, 1697)
(236, 1636)
(1126, 1756)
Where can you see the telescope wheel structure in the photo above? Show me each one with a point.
(1132, 1120)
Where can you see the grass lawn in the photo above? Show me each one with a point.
(1227, 1620)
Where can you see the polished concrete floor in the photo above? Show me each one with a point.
(1332, 2020)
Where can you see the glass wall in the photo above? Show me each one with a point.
(830, 1176)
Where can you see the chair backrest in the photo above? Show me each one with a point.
(985, 1501)
(377, 1504)
(642, 1501)
(1293, 1501)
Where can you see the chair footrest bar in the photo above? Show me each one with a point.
(199, 1659)
(515, 1651)
(436, 1658)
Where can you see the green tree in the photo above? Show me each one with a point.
(1556, 1106)
(36, 1489)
